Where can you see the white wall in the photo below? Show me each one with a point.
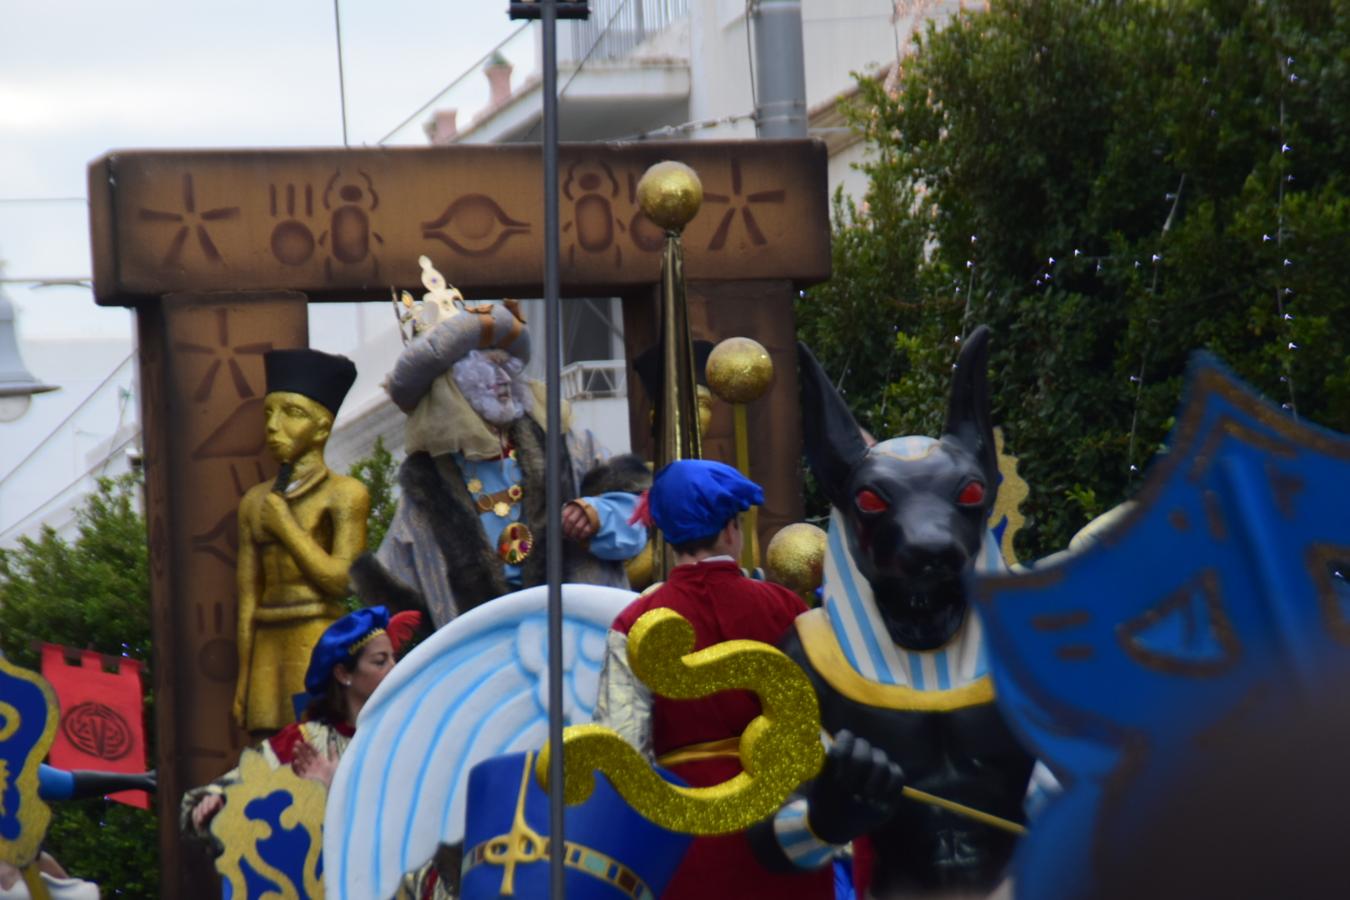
(71, 437)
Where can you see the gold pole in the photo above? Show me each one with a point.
(740, 372)
(750, 549)
(670, 194)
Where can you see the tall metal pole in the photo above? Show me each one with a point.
(780, 73)
(553, 450)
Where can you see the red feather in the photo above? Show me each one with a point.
(642, 515)
(402, 626)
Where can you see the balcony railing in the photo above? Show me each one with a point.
(617, 27)
(595, 379)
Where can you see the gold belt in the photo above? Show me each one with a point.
(726, 748)
(583, 859)
(270, 615)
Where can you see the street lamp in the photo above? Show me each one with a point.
(17, 385)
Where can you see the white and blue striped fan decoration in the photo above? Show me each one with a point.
(476, 688)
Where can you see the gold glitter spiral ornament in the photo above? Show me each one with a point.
(739, 370)
(670, 194)
(796, 558)
(779, 749)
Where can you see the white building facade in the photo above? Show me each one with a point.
(637, 70)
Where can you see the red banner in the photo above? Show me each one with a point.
(102, 715)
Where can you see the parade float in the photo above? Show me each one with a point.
(943, 683)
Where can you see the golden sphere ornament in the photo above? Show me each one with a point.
(670, 194)
(739, 370)
(796, 558)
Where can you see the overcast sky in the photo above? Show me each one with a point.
(81, 77)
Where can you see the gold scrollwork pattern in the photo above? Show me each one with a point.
(31, 813)
(779, 749)
(240, 832)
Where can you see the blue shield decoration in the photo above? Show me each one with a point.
(28, 719)
(1113, 664)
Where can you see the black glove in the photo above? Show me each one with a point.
(856, 792)
(96, 784)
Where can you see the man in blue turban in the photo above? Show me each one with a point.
(697, 506)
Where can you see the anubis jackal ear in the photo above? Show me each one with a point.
(833, 442)
(968, 416)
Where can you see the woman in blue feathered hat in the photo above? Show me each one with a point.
(350, 660)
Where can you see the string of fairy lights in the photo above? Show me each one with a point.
(1054, 265)
(1282, 289)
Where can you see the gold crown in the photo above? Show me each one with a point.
(441, 302)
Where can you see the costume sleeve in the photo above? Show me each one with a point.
(624, 703)
(614, 538)
(795, 838)
(54, 783)
(195, 795)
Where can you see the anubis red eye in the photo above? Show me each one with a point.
(971, 495)
(870, 502)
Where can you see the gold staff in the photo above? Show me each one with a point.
(670, 194)
(740, 372)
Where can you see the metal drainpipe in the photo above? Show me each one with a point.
(780, 73)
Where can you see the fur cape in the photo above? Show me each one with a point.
(435, 487)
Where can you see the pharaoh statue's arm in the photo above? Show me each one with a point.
(248, 580)
(349, 510)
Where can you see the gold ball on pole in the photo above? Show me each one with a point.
(670, 194)
(796, 558)
(739, 370)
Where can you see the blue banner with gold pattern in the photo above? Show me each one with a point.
(1119, 665)
(28, 719)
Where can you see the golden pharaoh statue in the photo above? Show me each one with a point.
(298, 536)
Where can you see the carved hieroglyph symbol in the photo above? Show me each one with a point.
(349, 238)
(189, 220)
(743, 202)
(292, 240)
(227, 440)
(591, 188)
(474, 225)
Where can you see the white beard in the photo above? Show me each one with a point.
(476, 377)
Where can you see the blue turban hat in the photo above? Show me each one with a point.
(341, 642)
(693, 499)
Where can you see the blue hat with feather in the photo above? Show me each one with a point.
(341, 642)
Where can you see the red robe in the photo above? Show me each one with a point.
(722, 605)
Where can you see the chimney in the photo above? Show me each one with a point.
(442, 128)
(498, 72)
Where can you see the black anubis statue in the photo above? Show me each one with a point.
(895, 652)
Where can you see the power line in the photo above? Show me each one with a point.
(668, 130)
(53, 281)
(75, 483)
(75, 411)
(585, 59)
(457, 79)
(342, 80)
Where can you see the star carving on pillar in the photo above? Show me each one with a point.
(742, 202)
(223, 356)
(189, 220)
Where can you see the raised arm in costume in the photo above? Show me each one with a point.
(471, 515)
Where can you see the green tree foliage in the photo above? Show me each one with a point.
(379, 473)
(90, 593)
(1110, 185)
